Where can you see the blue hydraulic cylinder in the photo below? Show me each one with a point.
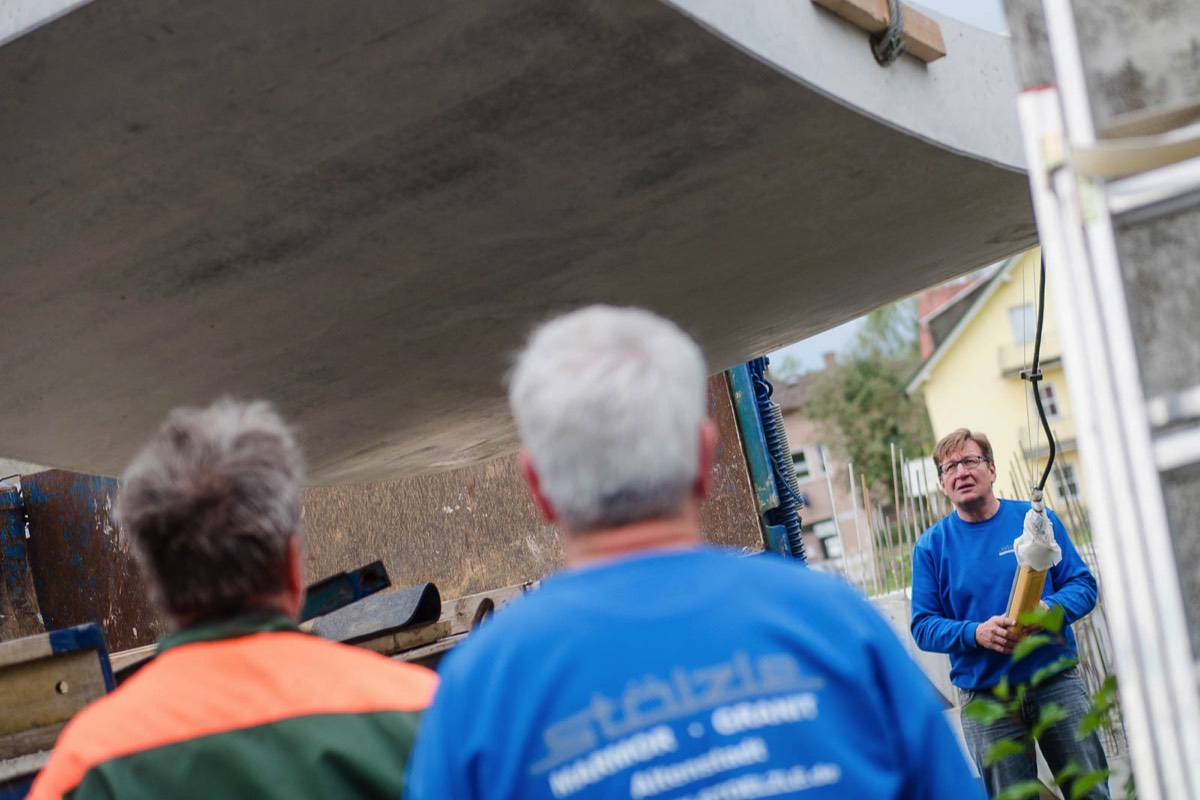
(768, 458)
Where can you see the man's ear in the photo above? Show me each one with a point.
(708, 456)
(534, 482)
(295, 576)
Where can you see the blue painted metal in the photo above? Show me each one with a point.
(81, 569)
(754, 440)
(76, 639)
(18, 601)
(786, 513)
(17, 789)
(768, 459)
(758, 457)
(13, 558)
(82, 638)
(340, 590)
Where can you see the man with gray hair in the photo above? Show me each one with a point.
(237, 703)
(656, 666)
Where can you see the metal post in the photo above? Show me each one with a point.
(858, 540)
(899, 515)
(878, 579)
(1116, 190)
(837, 525)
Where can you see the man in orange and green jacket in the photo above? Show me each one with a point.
(238, 702)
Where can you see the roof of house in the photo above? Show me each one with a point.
(962, 310)
(942, 319)
(792, 393)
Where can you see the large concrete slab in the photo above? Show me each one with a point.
(357, 210)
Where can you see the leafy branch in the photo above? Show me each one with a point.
(1009, 700)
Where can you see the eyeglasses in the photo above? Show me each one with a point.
(951, 467)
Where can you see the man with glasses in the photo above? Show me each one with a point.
(963, 569)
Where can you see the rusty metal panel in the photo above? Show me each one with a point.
(81, 569)
(467, 531)
(475, 529)
(18, 603)
(730, 517)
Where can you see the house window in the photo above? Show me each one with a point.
(800, 464)
(826, 532)
(1066, 481)
(1023, 320)
(1049, 400)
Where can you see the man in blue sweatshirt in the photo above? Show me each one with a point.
(656, 667)
(963, 569)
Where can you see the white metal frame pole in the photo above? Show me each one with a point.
(1133, 541)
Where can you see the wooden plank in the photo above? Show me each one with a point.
(129, 658)
(922, 36)
(48, 690)
(21, 766)
(30, 741)
(44, 681)
(464, 612)
(392, 643)
(458, 617)
(428, 654)
(29, 648)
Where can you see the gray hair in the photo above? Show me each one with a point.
(210, 505)
(609, 403)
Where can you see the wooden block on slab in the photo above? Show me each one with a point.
(921, 35)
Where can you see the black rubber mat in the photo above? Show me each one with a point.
(381, 614)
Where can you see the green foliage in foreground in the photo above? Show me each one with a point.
(1008, 703)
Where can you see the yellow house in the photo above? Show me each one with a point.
(972, 379)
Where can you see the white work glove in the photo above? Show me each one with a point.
(1035, 547)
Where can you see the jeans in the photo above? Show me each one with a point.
(1058, 743)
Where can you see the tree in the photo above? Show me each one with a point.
(862, 402)
(786, 367)
(890, 333)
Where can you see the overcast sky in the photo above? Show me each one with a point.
(988, 14)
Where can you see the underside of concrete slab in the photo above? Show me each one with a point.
(357, 210)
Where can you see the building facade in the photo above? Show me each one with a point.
(832, 522)
(982, 339)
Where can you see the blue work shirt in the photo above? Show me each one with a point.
(687, 674)
(963, 575)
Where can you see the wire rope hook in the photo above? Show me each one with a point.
(1036, 549)
(888, 45)
(1034, 375)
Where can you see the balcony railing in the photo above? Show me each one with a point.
(1033, 438)
(1015, 357)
